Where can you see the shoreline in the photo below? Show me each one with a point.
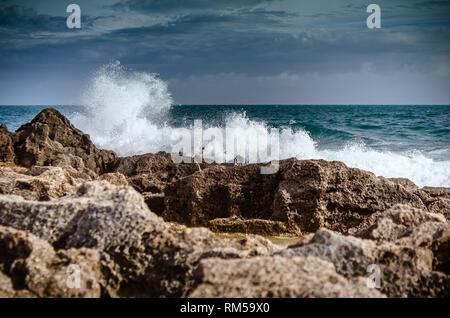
(143, 226)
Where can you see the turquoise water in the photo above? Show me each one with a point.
(394, 141)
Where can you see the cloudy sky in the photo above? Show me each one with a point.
(232, 51)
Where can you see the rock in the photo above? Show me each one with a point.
(150, 173)
(255, 226)
(30, 267)
(437, 192)
(115, 178)
(406, 183)
(6, 145)
(275, 277)
(407, 226)
(38, 183)
(139, 255)
(406, 271)
(50, 134)
(304, 194)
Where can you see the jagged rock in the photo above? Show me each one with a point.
(150, 173)
(50, 134)
(74, 165)
(30, 267)
(275, 277)
(407, 226)
(406, 271)
(140, 256)
(115, 178)
(6, 145)
(305, 194)
(437, 192)
(38, 183)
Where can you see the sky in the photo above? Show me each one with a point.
(231, 51)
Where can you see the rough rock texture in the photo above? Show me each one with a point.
(140, 256)
(50, 134)
(406, 270)
(30, 267)
(275, 277)
(6, 145)
(65, 202)
(407, 226)
(38, 183)
(304, 194)
(437, 200)
(150, 173)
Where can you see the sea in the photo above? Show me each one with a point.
(134, 113)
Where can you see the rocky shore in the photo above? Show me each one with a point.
(143, 226)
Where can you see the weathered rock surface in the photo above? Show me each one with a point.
(50, 134)
(406, 270)
(38, 183)
(149, 174)
(6, 145)
(140, 256)
(30, 267)
(304, 194)
(275, 277)
(407, 226)
(63, 202)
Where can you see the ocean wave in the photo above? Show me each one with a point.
(127, 111)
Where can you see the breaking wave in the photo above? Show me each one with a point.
(128, 112)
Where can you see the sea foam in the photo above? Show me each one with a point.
(127, 112)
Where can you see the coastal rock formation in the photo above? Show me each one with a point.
(30, 267)
(149, 174)
(139, 255)
(304, 194)
(50, 134)
(38, 183)
(6, 145)
(64, 202)
(405, 270)
(275, 277)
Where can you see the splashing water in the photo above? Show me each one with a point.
(129, 112)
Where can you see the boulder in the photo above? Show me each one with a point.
(304, 194)
(50, 134)
(30, 267)
(407, 226)
(6, 145)
(139, 254)
(40, 183)
(406, 270)
(275, 277)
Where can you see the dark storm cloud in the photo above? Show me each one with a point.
(179, 5)
(20, 19)
(278, 44)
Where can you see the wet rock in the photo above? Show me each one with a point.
(275, 277)
(30, 267)
(50, 134)
(406, 270)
